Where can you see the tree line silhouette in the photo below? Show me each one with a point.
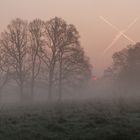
(125, 68)
(42, 52)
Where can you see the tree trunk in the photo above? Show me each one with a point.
(51, 75)
(22, 97)
(60, 81)
(50, 86)
(0, 95)
(32, 82)
(32, 91)
(60, 91)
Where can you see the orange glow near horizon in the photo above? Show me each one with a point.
(94, 78)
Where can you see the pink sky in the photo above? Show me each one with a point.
(84, 14)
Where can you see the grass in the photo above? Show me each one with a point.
(69, 121)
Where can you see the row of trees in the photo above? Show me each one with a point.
(42, 51)
(124, 71)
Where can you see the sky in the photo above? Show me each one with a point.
(96, 35)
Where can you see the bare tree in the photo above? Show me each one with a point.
(67, 38)
(63, 48)
(4, 69)
(15, 40)
(27, 47)
(50, 52)
(36, 28)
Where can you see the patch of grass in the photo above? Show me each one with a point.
(72, 121)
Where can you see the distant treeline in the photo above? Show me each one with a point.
(125, 70)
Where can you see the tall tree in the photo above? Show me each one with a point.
(50, 53)
(67, 38)
(4, 69)
(63, 48)
(15, 42)
(64, 51)
(37, 41)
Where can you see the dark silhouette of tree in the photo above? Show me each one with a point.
(52, 47)
(66, 40)
(14, 41)
(63, 55)
(49, 54)
(130, 74)
(126, 68)
(37, 41)
(4, 70)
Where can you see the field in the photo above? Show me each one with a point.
(81, 120)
